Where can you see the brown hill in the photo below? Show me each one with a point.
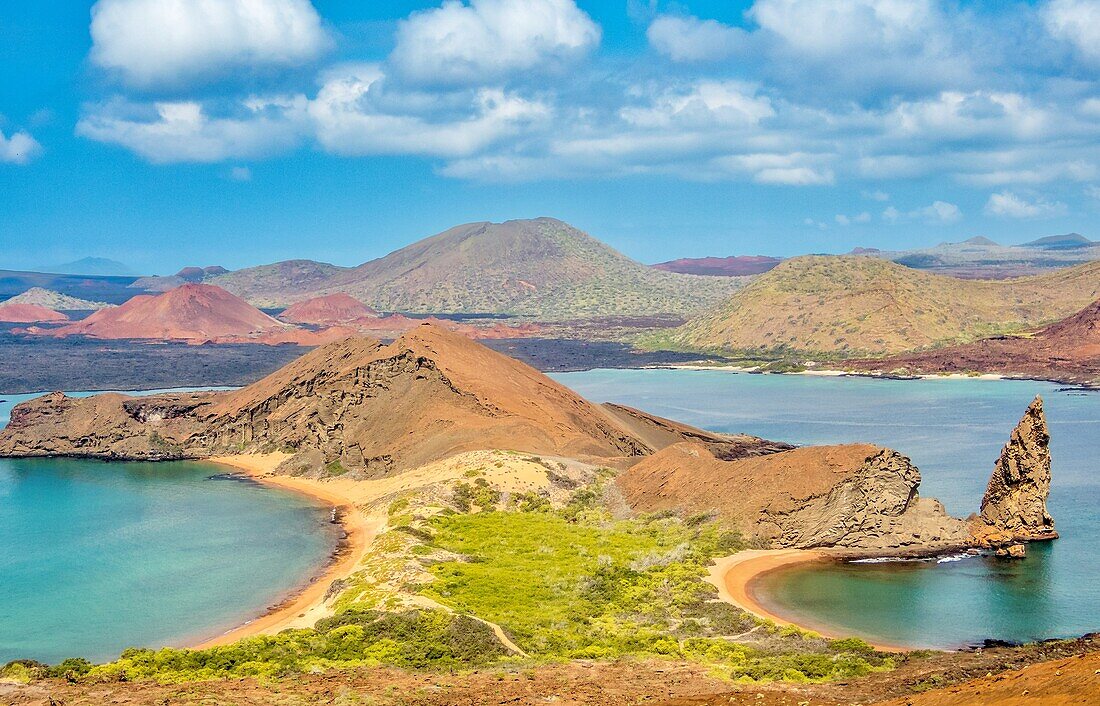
(361, 406)
(1068, 350)
(857, 305)
(328, 310)
(856, 496)
(18, 313)
(541, 267)
(733, 266)
(193, 312)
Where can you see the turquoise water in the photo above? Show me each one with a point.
(953, 430)
(96, 557)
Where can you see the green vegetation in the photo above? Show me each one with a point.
(335, 468)
(563, 583)
(414, 639)
(593, 587)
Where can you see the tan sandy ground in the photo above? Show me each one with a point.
(735, 575)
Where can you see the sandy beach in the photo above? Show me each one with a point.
(734, 576)
(306, 605)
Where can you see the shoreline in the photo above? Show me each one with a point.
(303, 605)
(1089, 386)
(736, 576)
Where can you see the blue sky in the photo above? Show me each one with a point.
(237, 132)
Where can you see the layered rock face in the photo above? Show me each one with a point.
(1014, 508)
(876, 507)
(856, 496)
(374, 409)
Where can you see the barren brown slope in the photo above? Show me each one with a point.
(328, 310)
(18, 313)
(1066, 351)
(373, 409)
(193, 312)
(540, 267)
(1072, 681)
(851, 305)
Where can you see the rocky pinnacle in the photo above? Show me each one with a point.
(1014, 508)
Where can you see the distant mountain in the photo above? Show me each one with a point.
(55, 300)
(113, 290)
(1068, 351)
(100, 266)
(158, 283)
(329, 310)
(982, 258)
(733, 266)
(1070, 241)
(858, 305)
(193, 312)
(980, 240)
(543, 268)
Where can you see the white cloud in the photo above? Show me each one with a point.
(354, 115)
(20, 148)
(876, 195)
(794, 176)
(938, 213)
(846, 220)
(706, 103)
(830, 27)
(1092, 191)
(954, 115)
(1076, 22)
(1009, 205)
(152, 42)
(490, 40)
(184, 131)
(240, 174)
(693, 39)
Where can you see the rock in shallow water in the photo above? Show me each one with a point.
(1014, 508)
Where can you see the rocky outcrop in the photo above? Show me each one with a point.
(1014, 508)
(372, 409)
(856, 496)
(877, 507)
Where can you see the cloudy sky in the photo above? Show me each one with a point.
(235, 132)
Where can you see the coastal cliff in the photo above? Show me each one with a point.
(855, 497)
